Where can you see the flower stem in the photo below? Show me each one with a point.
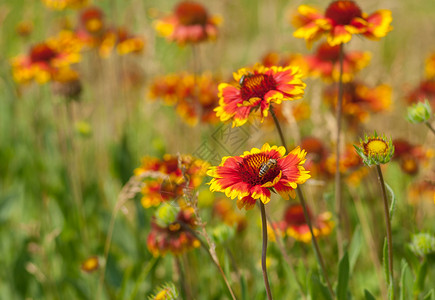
(304, 206)
(314, 242)
(286, 258)
(430, 127)
(387, 222)
(338, 200)
(264, 250)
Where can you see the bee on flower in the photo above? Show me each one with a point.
(252, 176)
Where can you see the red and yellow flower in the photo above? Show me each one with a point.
(295, 224)
(256, 89)
(190, 23)
(45, 59)
(183, 173)
(195, 97)
(430, 67)
(255, 174)
(176, 237)
(325, 63)
(359, 100)
(341, 20)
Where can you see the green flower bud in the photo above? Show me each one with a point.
(83, 128)
(419, 113)
(166, 214)
(422, 244)
(165, 292)
(375, 150)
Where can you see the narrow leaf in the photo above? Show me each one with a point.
(430, 295)
(385, 261)
(343, 277)
(406, 281)
(368, 295)
(317, 289)
(393, 201)
(355, 247)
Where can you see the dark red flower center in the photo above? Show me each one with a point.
(342, 12)
(326, 52)
(256, 86)
(249, 169)
(42, 53)
(191, 13)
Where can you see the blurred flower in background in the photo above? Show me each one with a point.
(340, 21)
(189, 23)
(194, 97)
(359, 100)
(45, 59)
(176, 237)
(184, 174)
(325, 63)
(295, 225)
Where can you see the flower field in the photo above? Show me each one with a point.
(217, 149)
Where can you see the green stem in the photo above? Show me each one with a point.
(264, 250)
(304, 207)
(338, 190)
(387, 223)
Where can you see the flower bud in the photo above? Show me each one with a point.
(419, 113)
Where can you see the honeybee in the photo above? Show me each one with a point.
(242, 80)
(266, 166)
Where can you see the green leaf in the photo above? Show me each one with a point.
(355, 247)
(368, 295)
(317, 289)
(430, 295)
(421, 276)
(343, 277)
(393, 201)
(406, 281)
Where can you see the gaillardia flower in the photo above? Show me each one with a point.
(325, 63)
(296, 226)
(255, 174)
(341, 20)
(256, 89)
(375, 150)
(190, 23)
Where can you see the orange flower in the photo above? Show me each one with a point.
(430, 66)
(176, 237)
(341, 20)
(190, 23)
(195, 97)
(359, 100)
(325, 63)
(184, 173)
(295, 224)
(47, 58)
(257, 89)
(255, 174)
